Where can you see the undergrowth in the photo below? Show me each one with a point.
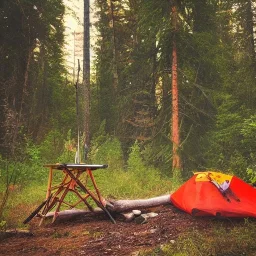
(136, 180)
(117, 184)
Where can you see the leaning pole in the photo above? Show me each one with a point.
(86, 74)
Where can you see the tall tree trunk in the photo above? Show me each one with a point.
(176, 163)
(114, 64)
(112, 25)
(24, 94)
(249, 31)
(86, 72)
(250, 47)
(201, 16)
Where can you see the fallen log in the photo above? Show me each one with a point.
(126, 205)
(116, 206)
(74, 212)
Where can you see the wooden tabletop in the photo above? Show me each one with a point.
(61, 166)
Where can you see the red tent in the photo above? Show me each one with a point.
(216, 194)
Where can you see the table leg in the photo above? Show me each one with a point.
(80, 184)
(49, 184)
(95, 186)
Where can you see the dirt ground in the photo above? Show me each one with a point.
(96, 235)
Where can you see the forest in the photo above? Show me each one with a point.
(131, 95)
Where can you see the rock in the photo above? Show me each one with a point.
(142, 219)
(153, 230)
(136, 253)
(136, 212)
(152, 214)
(128, 217)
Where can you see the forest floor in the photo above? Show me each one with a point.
(96, 235)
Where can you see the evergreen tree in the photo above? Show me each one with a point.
(32, 74)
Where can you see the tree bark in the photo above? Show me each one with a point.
(24, 94)
(74, 212)
(114, 63)
(176, 164)
(126, 205)
(249, 26)
(119, 206)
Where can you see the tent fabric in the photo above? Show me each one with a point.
(202, 195)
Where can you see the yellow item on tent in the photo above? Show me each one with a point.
(213, 176)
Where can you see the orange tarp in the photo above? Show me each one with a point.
(202, 196)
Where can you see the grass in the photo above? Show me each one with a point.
(215, 241)
(111, 183)
(132, 185)
(21, 203)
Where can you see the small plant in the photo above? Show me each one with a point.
(68, 154)
(252, 175)
(60, 235)
(108, 152)
(3, 225)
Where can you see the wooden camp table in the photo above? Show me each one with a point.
(72, 181)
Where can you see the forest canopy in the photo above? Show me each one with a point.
(130, 93)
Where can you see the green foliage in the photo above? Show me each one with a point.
(135, 162)
(225, 148)
(67, 155)
(51, 146)
(114, 181)
(177, 178)
(23, 173)
(146, 176)
(33, 152)
(248, 132)
(252, 175)
(22, 201)
(110, 152)
(131, 111)
(216, 81)
(57, 235)
(106, 149)
(2, 225)
(125, 184)
(32, 72)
